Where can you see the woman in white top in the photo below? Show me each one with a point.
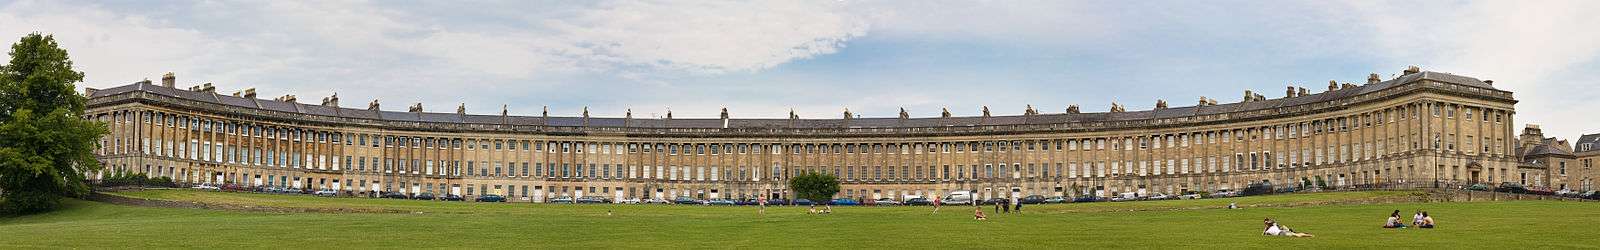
(1394, 221)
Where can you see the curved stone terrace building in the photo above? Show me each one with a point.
(1419, 128)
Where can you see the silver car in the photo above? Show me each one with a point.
(885, 202)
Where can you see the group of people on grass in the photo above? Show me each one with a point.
(826, 209)
(1002, 206)
(1421, 220)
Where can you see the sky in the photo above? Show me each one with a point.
(762, 59)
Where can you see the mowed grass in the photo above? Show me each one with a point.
(1160, 224)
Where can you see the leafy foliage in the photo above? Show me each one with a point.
(815, 186)
(46, 147)
(138, 179)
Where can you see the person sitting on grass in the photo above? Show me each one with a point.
(812, 209)
(1416, 219)
(1394, 221)
(1427, 221)
(977, 214)
(1273, 229)
(827, 209)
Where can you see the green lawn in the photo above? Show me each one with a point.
(1162, 224)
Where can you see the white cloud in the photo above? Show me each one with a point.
(1533, 49)
(707, 37)
(112, 49)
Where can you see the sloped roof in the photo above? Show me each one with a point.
(869, 122)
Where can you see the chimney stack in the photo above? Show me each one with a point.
(1413, 69)
(1289, 93)
(415, 108)
(286, 98)
(724, 117)
(373, 105)
(331, 101)
(1334, 85)
(250, 93)
(169, 80)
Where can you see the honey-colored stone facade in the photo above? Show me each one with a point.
(1419, 129)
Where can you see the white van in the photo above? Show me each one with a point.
(957, 198)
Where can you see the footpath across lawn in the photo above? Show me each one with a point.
(1339, 220)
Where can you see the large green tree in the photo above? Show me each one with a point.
(46, 147)
(814, 186)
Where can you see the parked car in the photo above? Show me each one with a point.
(1566, 193)
(1592, 195)
(918, 202)
(1087, 199)
(1285, 190)
(1478, 187)
(423, 196)
(327, 192)
(592, 200)
(1055, 200)
(723, 202)
(451, 197)
(958, 198)
(1224, 193)
(1258, 188)
(207, 187)
(290, 190)
(1159, 196)
(685, 200)
(777, 202)
(630, 201)
(490, 198)
(885, 202)
(992, 201)
(1508, 187)
(1032, 199)
(803, 202)
(1190, 196)
(394, 196)
(655, 201)
(844, 202)
(1540, 192)
(564, 199)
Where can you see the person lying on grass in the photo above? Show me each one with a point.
(1273, 229)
